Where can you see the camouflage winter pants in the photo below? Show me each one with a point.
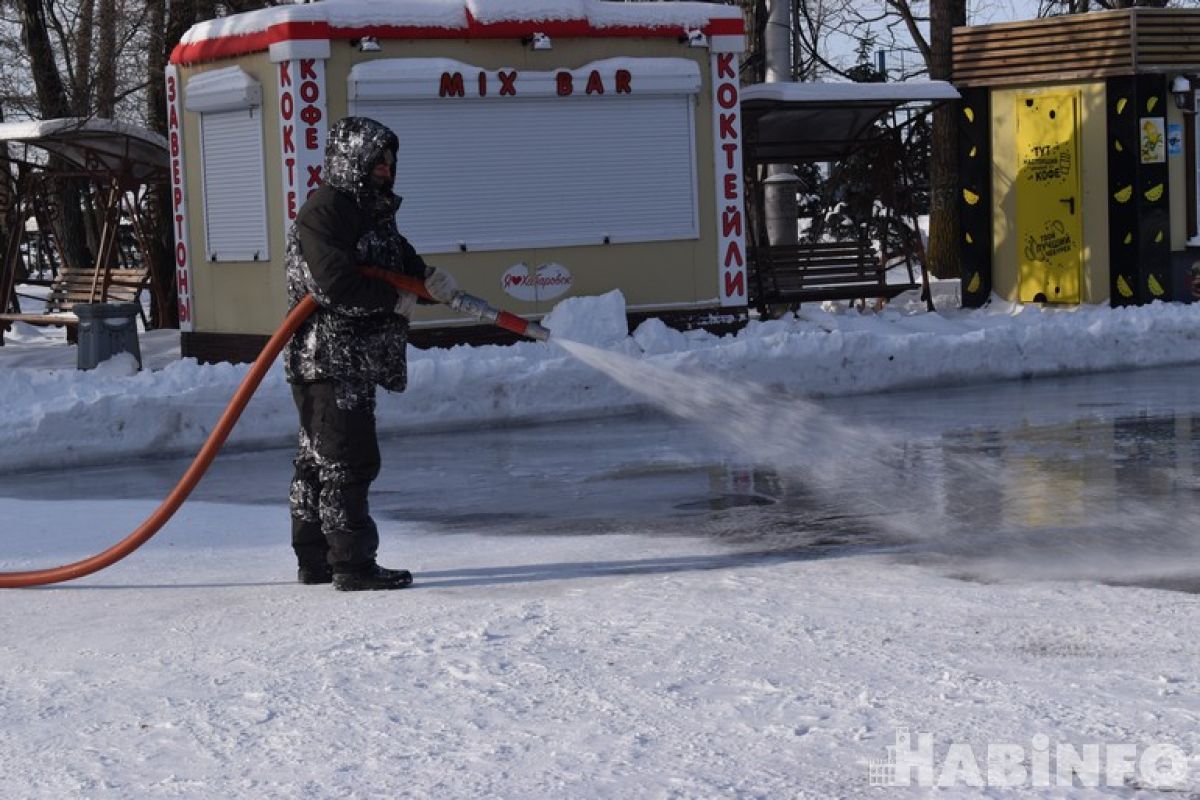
(337, 460)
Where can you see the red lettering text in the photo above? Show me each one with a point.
(310, 139)
(733, 254)
(314, 176)
(731, 221)
(289, 146)
(171, 88)
(452, 85)
(728, 131)
(508, 83)
(287, 105)
(291, 205)
(594, 84)
(308, 69)
(310, 92)
(735, 284)
(311, 115)
(730, 152)
(565, 84)
(731, 186)
(285, 73)
(727, 96)
(725, 66)
(624, 81)
(482, 83)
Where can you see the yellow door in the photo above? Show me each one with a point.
(1049, 230)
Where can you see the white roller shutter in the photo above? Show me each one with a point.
(499, 173)
(235, 202)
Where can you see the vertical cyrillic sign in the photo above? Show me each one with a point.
(179, 218)
(302, 127)
(727, 149)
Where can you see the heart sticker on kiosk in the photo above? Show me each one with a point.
(545, 282)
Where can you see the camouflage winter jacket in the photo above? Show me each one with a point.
(354, 338)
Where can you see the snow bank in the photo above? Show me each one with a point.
(54, 416)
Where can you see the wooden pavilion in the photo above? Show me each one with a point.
(119, 165)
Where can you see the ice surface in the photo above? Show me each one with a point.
(684, 653)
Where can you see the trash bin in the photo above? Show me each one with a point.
(106, 329)
(1185, 275)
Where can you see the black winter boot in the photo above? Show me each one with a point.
(311, 576)
(372, 578)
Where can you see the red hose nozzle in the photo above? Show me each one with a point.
(466, 304)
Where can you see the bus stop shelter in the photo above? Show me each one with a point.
(796, 122)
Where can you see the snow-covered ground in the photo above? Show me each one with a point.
(583, 665)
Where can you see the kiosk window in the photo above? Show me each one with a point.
(235, 203)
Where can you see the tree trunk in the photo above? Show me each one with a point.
(106, 60)
(51, 94)
(53, 103)
(81, 85)
(944, 229)
(168, 20)
(8, 196)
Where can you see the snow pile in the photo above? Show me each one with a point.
(57, 417)
(598, 321)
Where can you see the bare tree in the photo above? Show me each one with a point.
(53, 102)
(106, 60)
(1050, 8)
(167, 22)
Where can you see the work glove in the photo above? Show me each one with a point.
(405, 302)
(440, 284)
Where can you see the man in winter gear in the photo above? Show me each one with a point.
(353, 342)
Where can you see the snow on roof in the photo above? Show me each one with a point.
(821, 92)
(43, 128)
(338, 13)
(117, 146)
(450, 16)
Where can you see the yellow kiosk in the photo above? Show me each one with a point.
(1077, 153)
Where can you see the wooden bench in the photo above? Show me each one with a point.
(816, 271)
(72, 285)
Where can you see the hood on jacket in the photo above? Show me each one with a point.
(352, 148)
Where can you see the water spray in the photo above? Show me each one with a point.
(463, 302)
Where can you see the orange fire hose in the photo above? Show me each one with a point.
(216, 439)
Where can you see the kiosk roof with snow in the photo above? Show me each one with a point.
(547, 148)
